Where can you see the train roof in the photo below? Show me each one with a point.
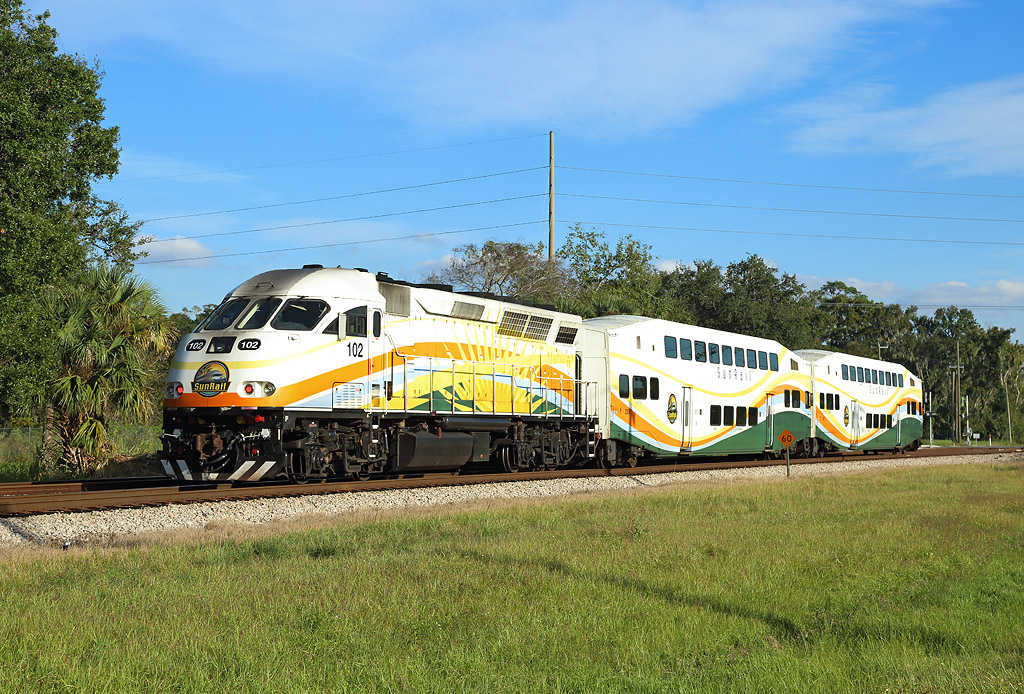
(310, 281)
(814, 355)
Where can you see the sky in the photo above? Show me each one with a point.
(875, 142)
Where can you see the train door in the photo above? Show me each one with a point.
(855, 423)
(679, 412)
(769, 421)
(896, 423)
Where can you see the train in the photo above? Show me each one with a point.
(321, 372)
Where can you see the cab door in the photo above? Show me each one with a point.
(377, 361)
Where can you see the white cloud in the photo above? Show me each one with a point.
(968, 130)
(598, 64)
(136, 166)
(165, 253)
(1002, 292)
(669, 264)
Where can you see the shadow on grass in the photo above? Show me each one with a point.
(932, 640)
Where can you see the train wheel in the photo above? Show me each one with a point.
(508, 458)
(298, 472)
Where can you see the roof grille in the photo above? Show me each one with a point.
(538, 328)
(513, 323)
(566, 334)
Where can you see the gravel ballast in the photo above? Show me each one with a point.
(98, 528)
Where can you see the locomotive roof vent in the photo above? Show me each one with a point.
(312, 267)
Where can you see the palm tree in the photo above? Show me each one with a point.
(111, 331)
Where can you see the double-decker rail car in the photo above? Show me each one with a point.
(332, 372)
(676, 389)
(328, 371)
(865, 404)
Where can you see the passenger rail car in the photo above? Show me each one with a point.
(327, 371)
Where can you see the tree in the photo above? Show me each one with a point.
(53, 146)
(596, 272)
(749, 298)
(112, 336)
(514, 269)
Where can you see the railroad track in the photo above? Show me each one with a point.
(29, 498)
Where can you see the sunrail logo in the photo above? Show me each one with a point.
(211, 379)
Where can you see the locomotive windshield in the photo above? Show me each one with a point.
(258, 313)
(225, 315)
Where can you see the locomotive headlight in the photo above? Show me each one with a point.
(269, 388)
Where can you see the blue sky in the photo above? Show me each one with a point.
(226, 105)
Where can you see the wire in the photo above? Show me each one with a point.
(348, 219)
(788, 209)
(979, 307)
(323, 161)
(340, 243)
(801, 235)
(794, 185)
(341, 197)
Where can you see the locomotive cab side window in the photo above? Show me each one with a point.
(376, 323)
(355, 322)
(300, 314)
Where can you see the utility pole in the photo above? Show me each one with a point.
(551, 196)
(960, 415)
(880, 348)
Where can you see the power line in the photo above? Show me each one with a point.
(323, 161)
(799, 234)
(348, 219)
(977, 307)
(340, 243)
(341, 197)
(793, 185)
(789, 209)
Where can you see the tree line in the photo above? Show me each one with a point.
(592, 277)
(84, 344)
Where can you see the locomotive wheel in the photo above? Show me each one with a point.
(297, 468)
(509, 459)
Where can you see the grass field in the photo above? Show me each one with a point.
(910, 580)
(136, 447)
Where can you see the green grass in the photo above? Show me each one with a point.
(136, 445)
(907, 581)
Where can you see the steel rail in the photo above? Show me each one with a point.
(29, 498)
